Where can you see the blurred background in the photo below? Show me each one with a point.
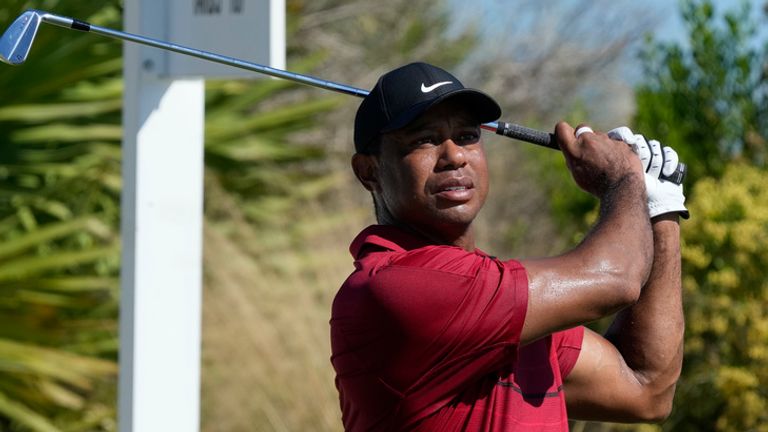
(281, 203)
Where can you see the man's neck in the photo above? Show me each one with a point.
(463, 237)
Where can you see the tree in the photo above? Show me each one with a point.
(726, 289)
(708, 98)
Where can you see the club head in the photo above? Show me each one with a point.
(17, 39)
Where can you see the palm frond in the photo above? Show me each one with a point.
(25, 416)
(51, 232)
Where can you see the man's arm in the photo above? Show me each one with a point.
(606, 271)
(630, 374)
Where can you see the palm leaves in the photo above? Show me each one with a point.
(59, 210)
(59, 192)
(248, 145)
(59, 299)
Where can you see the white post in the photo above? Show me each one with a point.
(162, 210)
(162, 202)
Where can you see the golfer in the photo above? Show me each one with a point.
(429, 333)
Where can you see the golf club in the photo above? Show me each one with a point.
(17, 40)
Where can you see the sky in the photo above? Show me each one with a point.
(671, 25)
(502, 25)
(664, 14)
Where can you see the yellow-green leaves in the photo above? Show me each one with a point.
(725, 256)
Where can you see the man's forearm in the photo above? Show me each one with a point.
(599, 277)
(649, 334)
(620, 244)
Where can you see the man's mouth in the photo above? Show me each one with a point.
(457, 190)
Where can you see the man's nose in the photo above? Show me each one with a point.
(452, 155)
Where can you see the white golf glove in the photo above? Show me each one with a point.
(663, 196)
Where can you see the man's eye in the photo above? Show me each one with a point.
(424, 141)
(469, 137)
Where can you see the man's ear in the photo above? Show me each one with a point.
(366, 168)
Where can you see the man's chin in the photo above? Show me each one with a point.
(454, 218)
(464, 212)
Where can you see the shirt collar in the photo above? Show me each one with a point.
(388, 237)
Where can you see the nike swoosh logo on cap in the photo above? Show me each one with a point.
(425, 89)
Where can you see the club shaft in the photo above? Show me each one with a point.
(507, 129)
(15, 43)
(218, 58)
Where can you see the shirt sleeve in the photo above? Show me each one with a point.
(568, 345)
(453, 316)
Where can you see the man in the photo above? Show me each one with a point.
(431, 334)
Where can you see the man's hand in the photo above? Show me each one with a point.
(596, 162)
(663, 196)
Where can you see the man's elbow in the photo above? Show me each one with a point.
(658, 413)
(626, 277)
(630, 292)
(656, 407)
(622, 290)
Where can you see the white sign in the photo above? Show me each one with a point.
(250, 30)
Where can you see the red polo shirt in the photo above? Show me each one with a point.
(426, 338)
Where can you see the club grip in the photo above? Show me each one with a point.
(678, 176)
(544, 139)
(522, 133)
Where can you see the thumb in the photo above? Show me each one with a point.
(565, 137)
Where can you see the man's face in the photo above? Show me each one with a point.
(432, 175)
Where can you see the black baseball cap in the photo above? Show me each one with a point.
(403, 94)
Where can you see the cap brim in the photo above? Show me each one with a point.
(482, 106)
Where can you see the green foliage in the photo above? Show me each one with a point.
(572, 209)
(59, 243)
(725, 252)
(60, 188)
(569, 204)
(248, 148)
(708, 99)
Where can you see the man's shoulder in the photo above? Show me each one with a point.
(397, 246)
